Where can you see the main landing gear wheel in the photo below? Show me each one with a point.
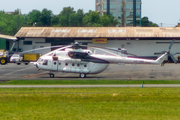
(82, 75)
(51, 75)
(3, 61)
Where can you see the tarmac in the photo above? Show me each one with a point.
(170, 71)
(95, 86)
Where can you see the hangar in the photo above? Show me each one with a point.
(5, 41)
(145, 42)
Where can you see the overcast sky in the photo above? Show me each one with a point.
(158, 11)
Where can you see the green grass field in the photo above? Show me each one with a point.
(89, 103)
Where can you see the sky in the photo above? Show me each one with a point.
(166, 12)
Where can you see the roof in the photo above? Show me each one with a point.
(8, 37)
(98, 32)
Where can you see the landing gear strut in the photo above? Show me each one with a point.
(51, 75)
(82, 75)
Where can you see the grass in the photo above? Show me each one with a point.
(89, 103)
(83, 82)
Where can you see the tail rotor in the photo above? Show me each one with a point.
(170, 54)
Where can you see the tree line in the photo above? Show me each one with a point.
(68, 17)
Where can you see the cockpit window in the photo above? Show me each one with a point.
(45, 62)
(40, 61)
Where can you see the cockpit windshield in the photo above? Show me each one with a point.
(40, 61)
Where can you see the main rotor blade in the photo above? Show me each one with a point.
(42, 48)
(73, 45)
(98, 47)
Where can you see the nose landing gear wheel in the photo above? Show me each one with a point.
(51, 75)
(82, 75)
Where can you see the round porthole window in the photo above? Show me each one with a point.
(66, 64)
(85, 65)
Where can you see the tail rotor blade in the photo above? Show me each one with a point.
(171, 45)
(172, 56)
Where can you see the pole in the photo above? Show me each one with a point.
(123, 14)
(134, 13)
(19, 12)
(140, 16)
(108, 7)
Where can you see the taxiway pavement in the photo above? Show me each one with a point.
(94, 86)
(113, 72)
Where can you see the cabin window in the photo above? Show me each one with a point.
(59, 63)
(78, 65)
(66, 64)
(73, 64)
(45, 62)
(54, 63)
(85, 65)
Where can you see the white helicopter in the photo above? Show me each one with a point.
(74, 59)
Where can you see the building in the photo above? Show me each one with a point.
(6, 41)
(143, 42)
(146, 42)
(116, 9)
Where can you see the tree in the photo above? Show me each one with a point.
(146, 23)
(93, 19)
(64, 16)
(34, 18)
(113, 21)
(9, 23)
(67, 18)
(55, 21)
(75, 19)
(45, 17)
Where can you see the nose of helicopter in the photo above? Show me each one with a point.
(37, 66)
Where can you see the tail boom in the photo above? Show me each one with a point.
(161, 59)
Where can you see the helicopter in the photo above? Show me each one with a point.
(74, 59)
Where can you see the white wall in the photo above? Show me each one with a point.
(142, 47)
(137, 47)
(40, 45)
(37, 45)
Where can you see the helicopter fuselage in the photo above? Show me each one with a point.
(63, 62)
(85, 62)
